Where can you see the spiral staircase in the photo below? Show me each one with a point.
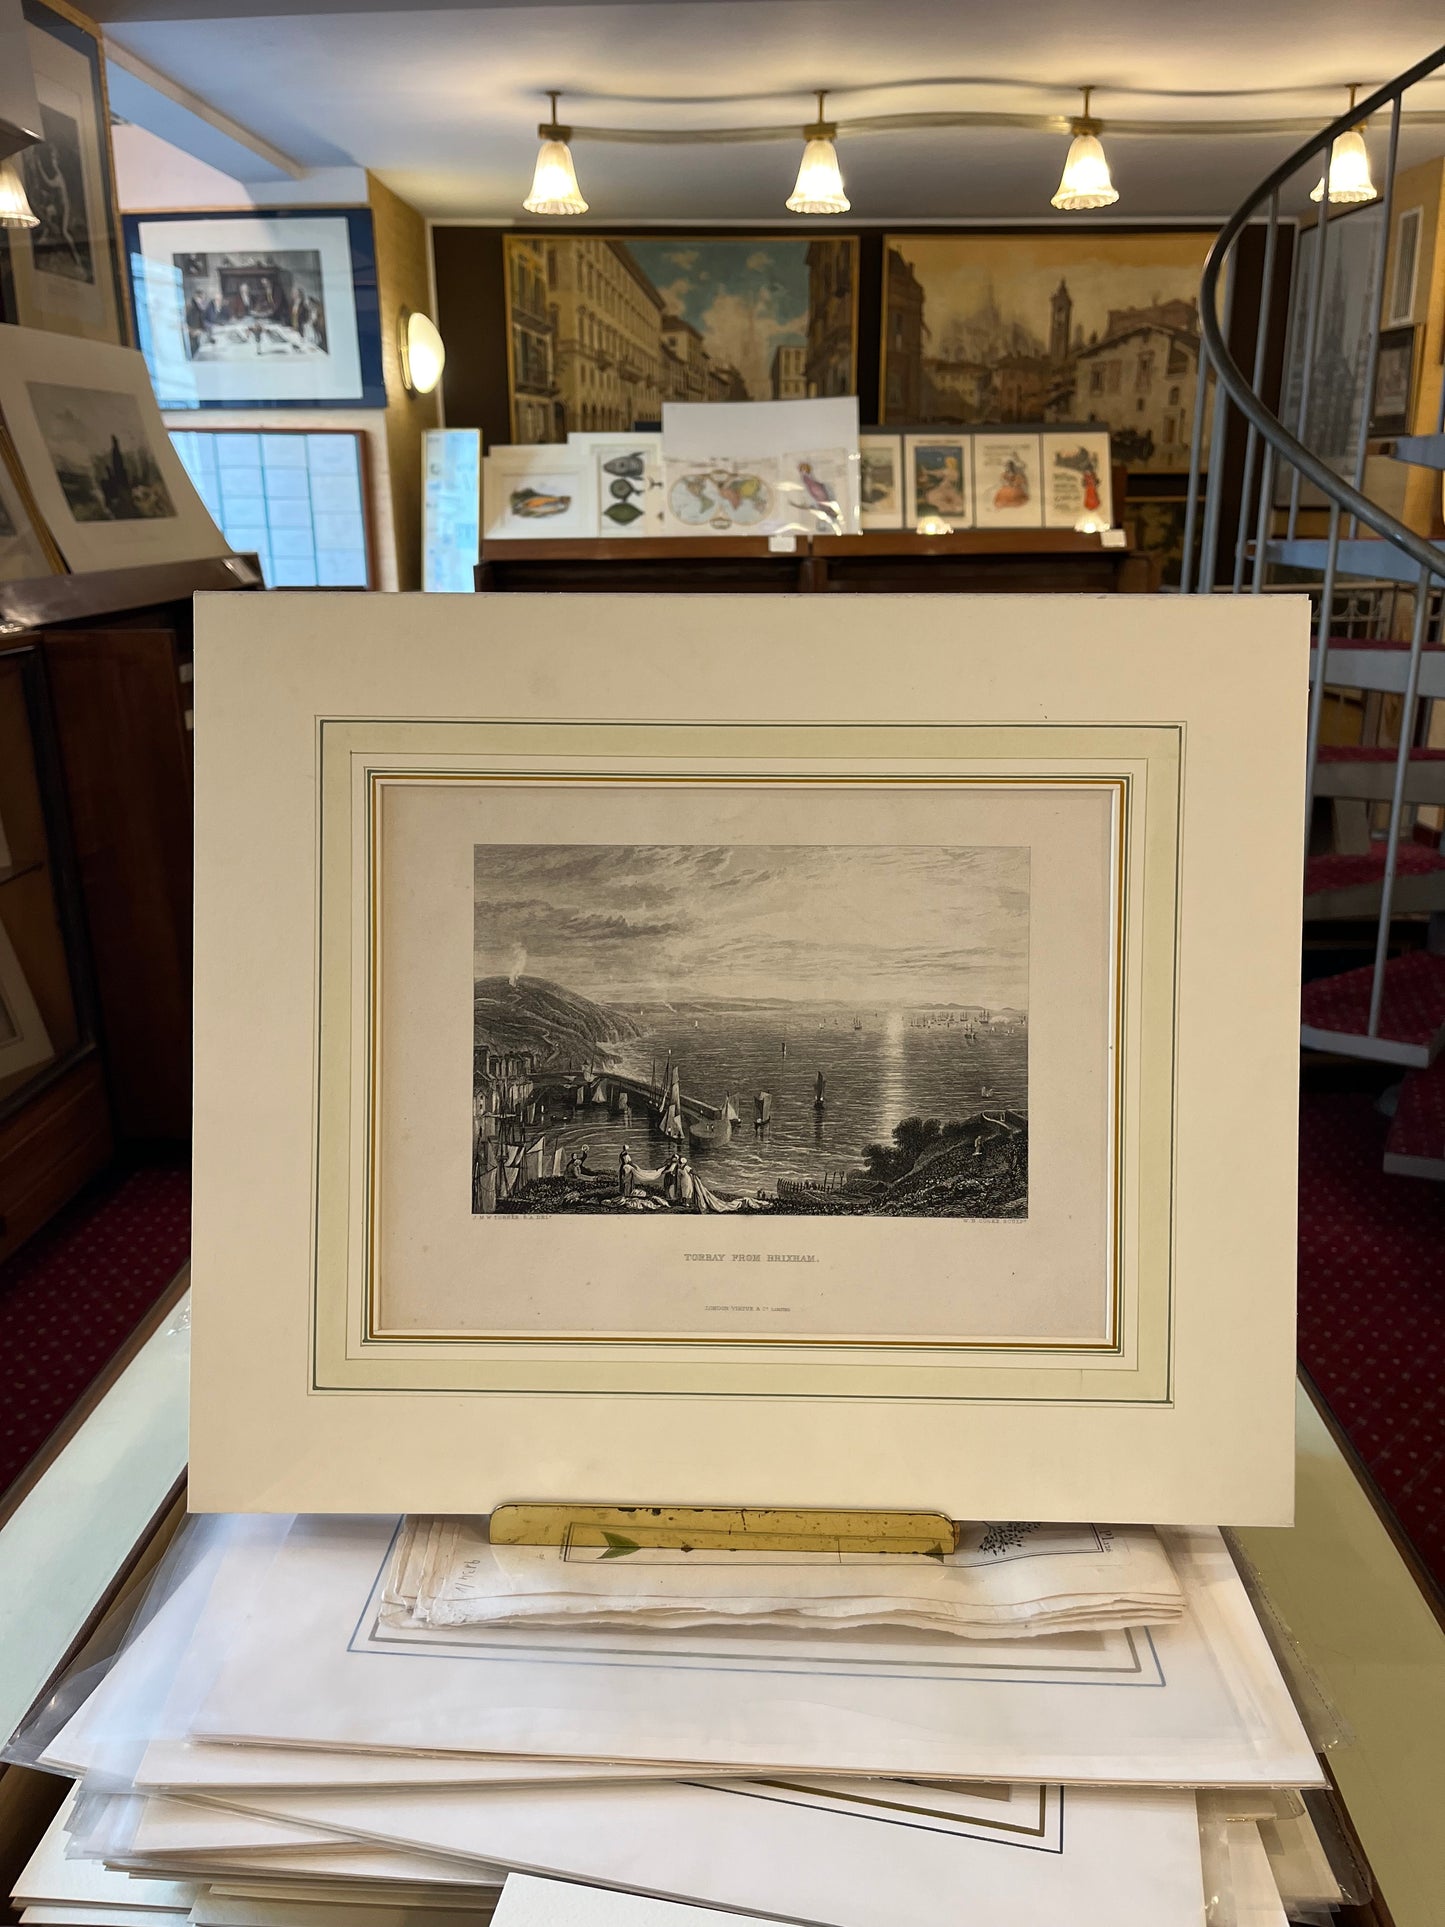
(1277, 515)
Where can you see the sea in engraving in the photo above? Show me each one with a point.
(906, 1096)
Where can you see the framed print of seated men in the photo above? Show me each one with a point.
(242, 305)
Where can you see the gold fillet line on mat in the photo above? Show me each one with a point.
(377, 779)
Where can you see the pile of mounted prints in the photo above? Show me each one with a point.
(64, 274)
(994, 478)
(94, 452)
(273, 308)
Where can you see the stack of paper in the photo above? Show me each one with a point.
(1004, 1581)
(289, 1736)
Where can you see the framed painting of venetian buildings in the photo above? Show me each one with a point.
(1040, 327)
(601, 330)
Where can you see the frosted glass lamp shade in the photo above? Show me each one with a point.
(819, 186)
(423, 354)
(554, 182)
(1349, 171)
(1085, 183)
(15, 208)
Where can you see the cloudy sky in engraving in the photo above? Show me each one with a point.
(895, 926)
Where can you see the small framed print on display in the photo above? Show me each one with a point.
(585, 1119)
(538, 492)
(1405, 267)
(938, 482)
(1394, 383)
(629, 481)
(880, 479)
(64, 274)
(1006, 481)
(271, 308)
(1077, 486)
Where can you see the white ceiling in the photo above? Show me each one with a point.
(443, 102)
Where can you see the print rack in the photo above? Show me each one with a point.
(964, 561)
(625, 1528)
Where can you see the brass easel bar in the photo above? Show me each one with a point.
(628, 1528)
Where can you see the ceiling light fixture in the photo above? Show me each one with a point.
(1086, 182)
(1349, 168)
(819, 186)
(15, 208)
(421, 350)
(554, 179)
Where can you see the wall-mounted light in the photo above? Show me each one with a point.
(554, 179)
(1349, 168)
(421, 351)
(819, 186)
(1086, 182)
(15, 208)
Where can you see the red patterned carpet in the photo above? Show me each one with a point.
(1371, 1334)
(71, 1298)
(1372, 1308)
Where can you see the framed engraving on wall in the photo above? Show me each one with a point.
(650, 1054)
(64, 274)
(270, 308)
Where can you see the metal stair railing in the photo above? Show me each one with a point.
(1270, 442)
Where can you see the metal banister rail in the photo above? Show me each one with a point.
(1271, 441)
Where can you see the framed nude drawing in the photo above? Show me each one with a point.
(64, 274)
(602, 1136)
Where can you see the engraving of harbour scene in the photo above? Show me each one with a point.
(804, 1030)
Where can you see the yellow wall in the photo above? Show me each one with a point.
(404, 281)
(1414, 493)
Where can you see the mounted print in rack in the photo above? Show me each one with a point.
(880, 480)
(938, 482)
(629, 481)
(602, 331)
(272, 308)
(64, 274)
(538, 494)
(1007, 481)
(1077, 478)
(95, 455)
(646, 979)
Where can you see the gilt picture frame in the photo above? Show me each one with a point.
(486, 885)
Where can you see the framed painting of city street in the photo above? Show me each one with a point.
(740, 1017)
(1047, 327)
(64, 274)
(602, 330)
(272, 308)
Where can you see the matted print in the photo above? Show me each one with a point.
(938, 482)
(108, 487)
(880, 480)
(602, 331)
(1048, 327)
(715, 1029)
(64, 274)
